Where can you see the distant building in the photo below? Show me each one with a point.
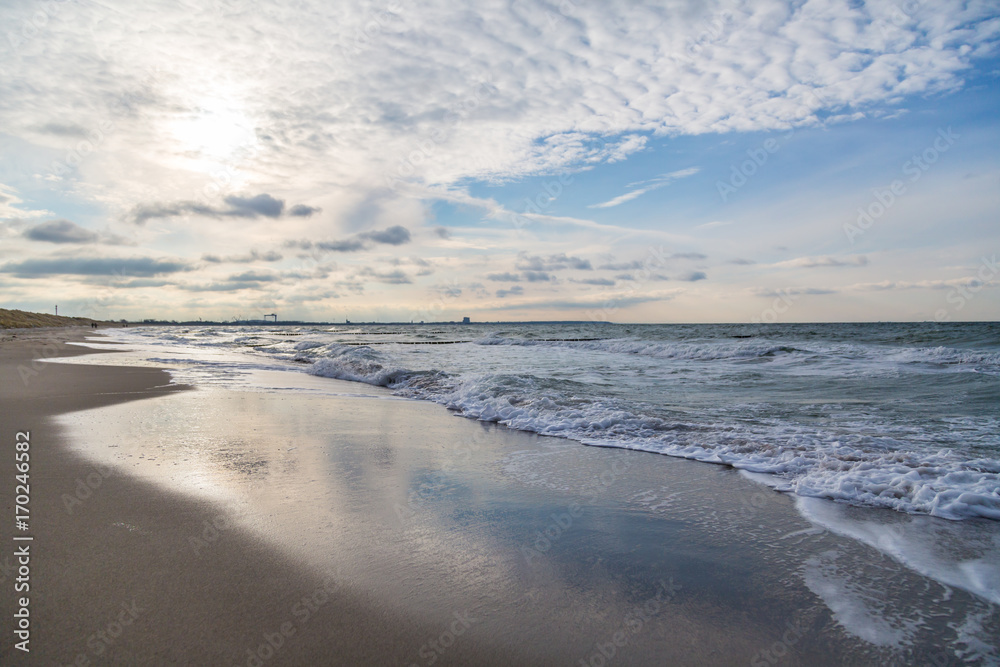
(466, 320)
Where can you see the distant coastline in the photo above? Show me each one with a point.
(19, 319)
(301, 323)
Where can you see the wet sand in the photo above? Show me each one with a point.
(91, 573)
(363, 529)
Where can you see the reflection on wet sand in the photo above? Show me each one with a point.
(573, 551)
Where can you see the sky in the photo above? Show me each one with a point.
(682, 161)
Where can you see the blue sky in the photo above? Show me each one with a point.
(512, 160)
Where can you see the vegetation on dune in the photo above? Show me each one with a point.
(19, 319)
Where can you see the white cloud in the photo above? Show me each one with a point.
(713, 224)
(365, 115)
(768, 292)
(642, 187)
(12, 206)
(436, 96)
(951, 283)
(822, 262)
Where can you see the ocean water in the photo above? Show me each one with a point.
(898, 416)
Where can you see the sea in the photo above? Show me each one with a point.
(904, 417)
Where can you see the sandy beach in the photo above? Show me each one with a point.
(561, 333)
(87, 570)
(224, 526)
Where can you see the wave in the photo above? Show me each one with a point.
(945, 356)
(938, 468)
(743, 349)
(693, 351)
(355, 363)
(849, 465)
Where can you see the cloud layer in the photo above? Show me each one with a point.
(235, 207)
(386, 135)
(357, 92)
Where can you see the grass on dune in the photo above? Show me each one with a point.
(19, 319)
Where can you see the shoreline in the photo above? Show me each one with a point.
(91, 574)
(225, 507)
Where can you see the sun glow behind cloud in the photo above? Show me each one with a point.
(582, 128)
(213, 131)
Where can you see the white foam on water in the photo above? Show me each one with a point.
(715, 349)
(973, 641)
(866, 457)
(953, 554)
(855, 609)
(704, 351)
(872, 469)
